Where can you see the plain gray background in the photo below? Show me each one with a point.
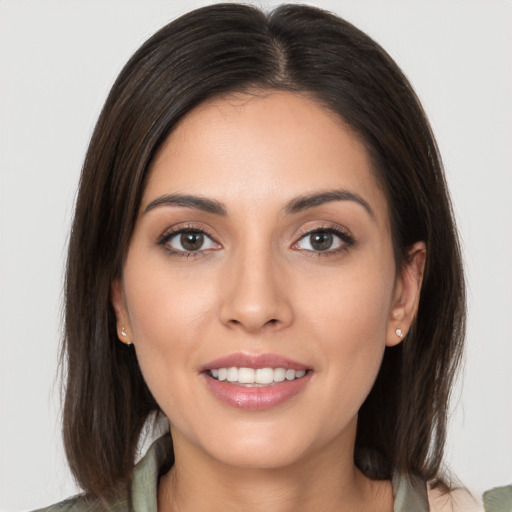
(57, 62)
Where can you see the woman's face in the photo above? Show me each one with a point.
(260, 287)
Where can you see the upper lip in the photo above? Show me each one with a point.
(245, 360)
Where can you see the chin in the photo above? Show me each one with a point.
(266, 446)
(260, 456)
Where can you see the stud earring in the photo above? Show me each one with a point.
(399, 333)
(124, 335)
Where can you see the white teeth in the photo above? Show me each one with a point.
(279, 374)
(246, 375)
(264, 375)
(290, 374)
(259, 376)
(232, 374)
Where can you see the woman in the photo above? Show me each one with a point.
(264, 253)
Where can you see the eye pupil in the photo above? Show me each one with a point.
(192, 241)
(321, 241)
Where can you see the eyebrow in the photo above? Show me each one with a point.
(296, 205)
(195, 202)
(302, 203)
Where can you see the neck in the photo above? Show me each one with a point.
(327, 481)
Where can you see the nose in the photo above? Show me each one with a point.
(254, 295)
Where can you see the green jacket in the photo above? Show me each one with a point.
(410, 493)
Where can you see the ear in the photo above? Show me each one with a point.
(406, 294)
(124, 331)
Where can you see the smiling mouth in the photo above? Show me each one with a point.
(255, 377)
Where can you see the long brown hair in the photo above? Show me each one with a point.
(234, 48)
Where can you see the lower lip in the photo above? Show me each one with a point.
(256, 398)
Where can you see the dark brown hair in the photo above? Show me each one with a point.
(228, 48)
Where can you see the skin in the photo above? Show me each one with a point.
(259, 286)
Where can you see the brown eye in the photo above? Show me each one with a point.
(188, 241)
(326, 240)
(321, 241)
(192, 241)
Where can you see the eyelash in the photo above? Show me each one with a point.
(169, 235)
(347, 241)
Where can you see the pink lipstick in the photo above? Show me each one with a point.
(255, 382)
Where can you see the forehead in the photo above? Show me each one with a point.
(263, 150)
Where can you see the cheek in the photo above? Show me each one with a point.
(349, 316)
(167, 310)
(165, 306)
(350, 304)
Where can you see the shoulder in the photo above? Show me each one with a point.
(498, 499)
(80, 504)
(455, 500)
(74, 504)
(141, 494)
